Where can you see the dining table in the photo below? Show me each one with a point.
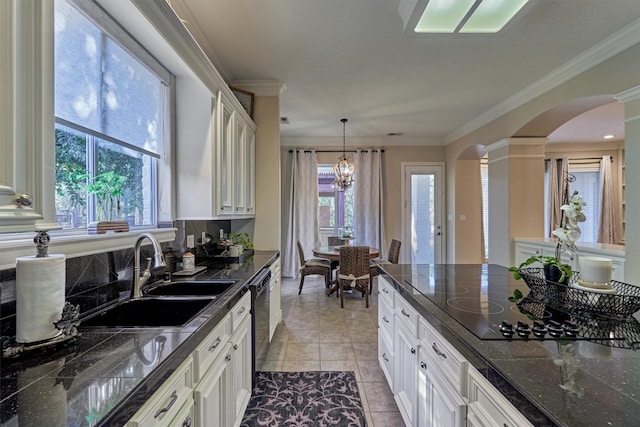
(332, 253)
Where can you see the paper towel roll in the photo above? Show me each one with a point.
(40, 287)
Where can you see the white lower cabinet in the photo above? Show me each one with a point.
(275, 309)
(439, 403)
(168, 405)
(488, 407)
(432, 383)
(222, 395)
(210, 396)
(241, 369)
(213, 386)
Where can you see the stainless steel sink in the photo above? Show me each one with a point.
(149, 312)
(191, 287)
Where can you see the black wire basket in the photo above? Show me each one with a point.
(624, 303)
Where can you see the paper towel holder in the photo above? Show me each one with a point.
(69, 318)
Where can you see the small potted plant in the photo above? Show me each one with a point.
(108, 190)
(554, 269)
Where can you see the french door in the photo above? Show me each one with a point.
(423, 200)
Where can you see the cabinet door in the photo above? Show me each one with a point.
(212, 396)
(405, 373)
(240, 166)
(224, 159)
(241, 369)
(27, 177)
(250, 172)
(274, 298)
(440, 405)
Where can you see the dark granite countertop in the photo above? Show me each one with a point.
(105, 375)
(552, 382)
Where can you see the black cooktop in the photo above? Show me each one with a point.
(477, 296)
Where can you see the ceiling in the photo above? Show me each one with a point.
(348, 58)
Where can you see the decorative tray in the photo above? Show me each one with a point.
(623, 303)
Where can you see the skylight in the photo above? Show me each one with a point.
(458, 16)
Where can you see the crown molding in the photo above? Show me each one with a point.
(609, 47)
(629, 95)
(261, 87)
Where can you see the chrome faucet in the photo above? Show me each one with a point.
(158, 261)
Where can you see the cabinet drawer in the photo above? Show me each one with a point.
(386, 290)
(210, 348)
(406, 315)
(444, 357)
(385, 357)
(490, 405)
(240, 311)
(166, 403)
(385, 318)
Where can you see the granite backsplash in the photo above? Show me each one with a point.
(91, 281)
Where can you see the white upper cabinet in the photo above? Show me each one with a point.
(27, 156)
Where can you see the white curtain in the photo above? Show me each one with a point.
(557, 187)
(303, 210)
(368, 217)
(607, 227)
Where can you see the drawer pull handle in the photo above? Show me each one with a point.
(215, 344)
(423, 365)
(235, 347)
(405, 313)
(438, 352)
(385, 319)
(242, 310)
(413, 350)
(385, 290)
(174, 397)
(384, 356)
(228, 358)
(187, 422)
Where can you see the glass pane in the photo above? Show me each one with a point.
(136, 170)
(71, 196)
(327, 211)
(588, 186)
(422, 219)
(100, 86)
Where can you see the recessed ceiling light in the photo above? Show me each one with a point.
(458, 16)
(608, 136)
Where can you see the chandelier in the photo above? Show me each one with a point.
(345, 168)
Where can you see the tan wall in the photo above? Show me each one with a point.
(267, 230)
(468, 215)
(611, 77)
(392, 159)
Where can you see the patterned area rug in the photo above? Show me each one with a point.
(305, 399)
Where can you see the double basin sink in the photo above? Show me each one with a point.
(165, 304)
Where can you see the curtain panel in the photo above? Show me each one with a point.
(368, 216)
(303, 209)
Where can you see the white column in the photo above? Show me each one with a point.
(516, 194)
(631, 100)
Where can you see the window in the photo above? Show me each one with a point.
(587, 184)
(111, 102)
(335, 206)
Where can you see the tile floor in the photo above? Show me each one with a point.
(316, 334)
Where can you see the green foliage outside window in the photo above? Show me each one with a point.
(118, 186)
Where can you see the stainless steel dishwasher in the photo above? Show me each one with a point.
(260, 293)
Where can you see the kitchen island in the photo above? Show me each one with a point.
(564, 382)
(105, 375)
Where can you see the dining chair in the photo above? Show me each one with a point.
(392, 258)
(354, 271)
(313, 266)
(335, 241)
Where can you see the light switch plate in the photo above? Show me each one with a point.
(190, 242)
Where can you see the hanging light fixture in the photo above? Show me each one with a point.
(345, 168)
